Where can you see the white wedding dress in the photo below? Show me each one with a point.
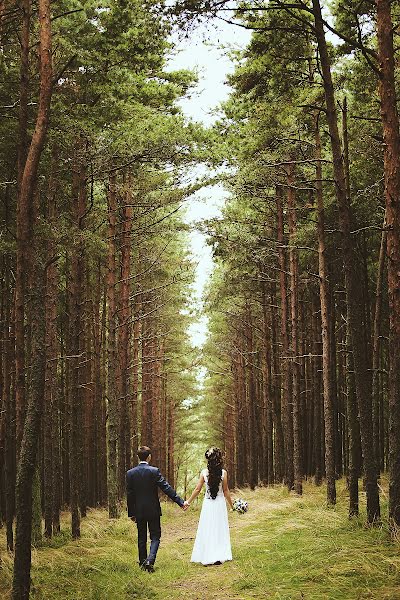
(213, 542)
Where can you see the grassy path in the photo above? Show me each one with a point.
(285, 548)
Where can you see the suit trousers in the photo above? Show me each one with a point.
(154, 526)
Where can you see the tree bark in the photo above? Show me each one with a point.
(50, 394)
(287, 374)
(76, 347)
(124, 338)
(294, 317)
(29, 447)
(113, 417)
(325, 329)
(24, 226)
(26, 467)
(9, 424)
(376, 348)
(252, 402)
(354, 431)
(279, 454)
(391, 137)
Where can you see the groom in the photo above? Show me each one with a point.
(142, 483)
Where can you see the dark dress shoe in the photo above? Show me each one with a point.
(147, 566)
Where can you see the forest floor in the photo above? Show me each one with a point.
(284, 548)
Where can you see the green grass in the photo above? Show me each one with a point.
(284, 548)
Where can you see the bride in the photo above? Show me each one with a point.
(213, 544)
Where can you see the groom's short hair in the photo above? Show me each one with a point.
(143, 452)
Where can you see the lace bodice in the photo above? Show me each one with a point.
(220, 490)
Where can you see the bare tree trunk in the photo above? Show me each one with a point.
(171, 441)
(157, 442)
(145, 430)
(325, 329)
(294, 316)
(269, 417)
(103, 406)
(124, 339)
(9, 424)
(29, 447)
(279, 454)
(376, 348)
(242, 420)
(354, 432)
(113, 417)
(252, 402)
(24, 227)
(76, 343)
(164, 400)
(99, 433)
(50, 393)
(287, 372)
(27, 464)
(318, 416)
(135, 379)
(391, 136)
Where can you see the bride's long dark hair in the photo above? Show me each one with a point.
(214, 464)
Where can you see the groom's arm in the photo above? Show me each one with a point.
(167, 489)
(130, 497)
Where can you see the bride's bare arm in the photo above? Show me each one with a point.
(225, 488)
(197, 489)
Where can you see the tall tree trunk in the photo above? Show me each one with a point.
(325, 330)
(354, 431)
(147, 370)
(98, 387)
(171, 441)
(113, 417)
(124, 338)
(50, 394)
(376, 348)
(269, 418)
(317, 370)
(294, 317)
(27, 463)
(76, 349)
(391, 137)
(287, 372)
(9, 425)
(29, 447)
(353, 291)
(242, 420)
(279, 454)
(252, 402)
(135, 379)
(24, 226)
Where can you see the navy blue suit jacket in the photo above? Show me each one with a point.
(142, 484)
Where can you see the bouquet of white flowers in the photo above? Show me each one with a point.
(240, 506)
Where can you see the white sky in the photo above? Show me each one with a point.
(203, 51)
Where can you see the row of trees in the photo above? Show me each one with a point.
(304, 347)
(95, 274)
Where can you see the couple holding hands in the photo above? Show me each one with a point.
(212, 545)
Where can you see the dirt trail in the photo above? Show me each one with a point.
(216, 582)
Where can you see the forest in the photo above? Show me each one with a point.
(298, 380)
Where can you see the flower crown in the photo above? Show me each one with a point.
(211, 452)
